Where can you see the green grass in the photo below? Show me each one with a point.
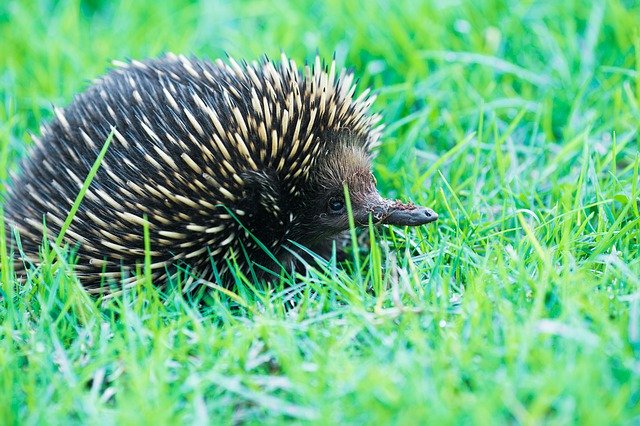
(516, 120)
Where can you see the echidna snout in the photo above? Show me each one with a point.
(228, 163)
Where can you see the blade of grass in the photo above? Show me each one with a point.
(83, 190)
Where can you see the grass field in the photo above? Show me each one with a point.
(516, 120)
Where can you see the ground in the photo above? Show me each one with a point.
(516, 120)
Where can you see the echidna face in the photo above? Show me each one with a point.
(347, 171)
(324, 209)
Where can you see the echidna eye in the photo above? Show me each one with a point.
(336, 205)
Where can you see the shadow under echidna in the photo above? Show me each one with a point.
(224, 160)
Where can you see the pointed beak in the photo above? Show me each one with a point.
(410, 215)
(402, 214)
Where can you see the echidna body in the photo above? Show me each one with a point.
(225, 160)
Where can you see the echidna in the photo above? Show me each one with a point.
(225, 160)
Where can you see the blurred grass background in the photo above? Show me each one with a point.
(516, 120)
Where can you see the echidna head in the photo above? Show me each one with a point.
(347, 170)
